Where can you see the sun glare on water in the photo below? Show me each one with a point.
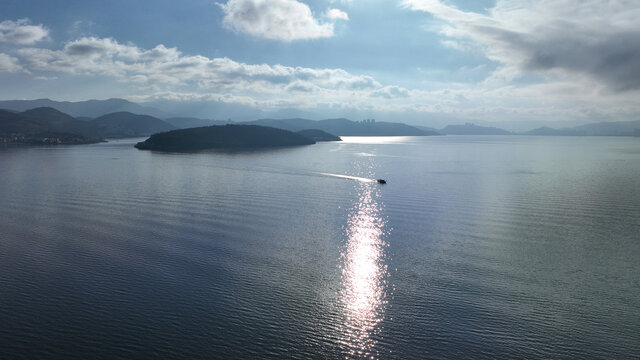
(364, 290)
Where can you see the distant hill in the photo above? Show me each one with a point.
(207, 109)
(617, 128)
(295, 124)
(41, 126)
(221, 137)
(14, 123)
(547, 131)
(56, 121)
(472, 129)
(126, 124)
(190, 122)
(89, 108)
(343, 127)
(430, 130)
(318, 135)
(49, 120)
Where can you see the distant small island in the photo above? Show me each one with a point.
(222, 137)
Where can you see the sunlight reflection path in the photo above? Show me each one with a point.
(364, 275)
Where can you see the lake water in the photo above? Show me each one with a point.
(477, 248)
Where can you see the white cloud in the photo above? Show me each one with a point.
(283, 20)
(166, 73)
(600, 40)
(391, 92)
(46, 78)
(9, 64)
(22, 32)
(337, 14)
(164, 68)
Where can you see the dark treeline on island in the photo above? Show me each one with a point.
(222, 137)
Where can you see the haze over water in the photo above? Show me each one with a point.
(478, 247)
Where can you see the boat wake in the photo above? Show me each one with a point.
(357, 178)
(290, 171)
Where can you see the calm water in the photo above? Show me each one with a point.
(477, 248)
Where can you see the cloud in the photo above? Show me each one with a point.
(594, 39)
(336, 14)
(162, 67)
(22, 32)
(161, 72)
(9, 64)
(302, 86)
(282, 20)
(391, 92)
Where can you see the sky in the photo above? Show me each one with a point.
(508, 63)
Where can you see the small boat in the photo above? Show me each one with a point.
(381, 181)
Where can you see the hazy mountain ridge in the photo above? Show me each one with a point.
(344, 127)
(80, 118)
(428, 129)
(88, 108)
(58, 121)
(318, 135)
(189, 122)
(617, 128)
(45, 120)
(473, 129)
(126, 124)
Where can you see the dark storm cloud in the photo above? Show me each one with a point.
(612, 59)
(596, 39)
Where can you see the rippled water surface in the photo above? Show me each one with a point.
(477, 248)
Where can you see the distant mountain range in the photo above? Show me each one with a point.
(618, 128)
(189, 122)
(46, 120)
(122, 118)
(89, 108)
(126, 124)
(472, 129)
(318, 135)
(345, 127)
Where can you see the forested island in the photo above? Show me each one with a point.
(222, 137)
